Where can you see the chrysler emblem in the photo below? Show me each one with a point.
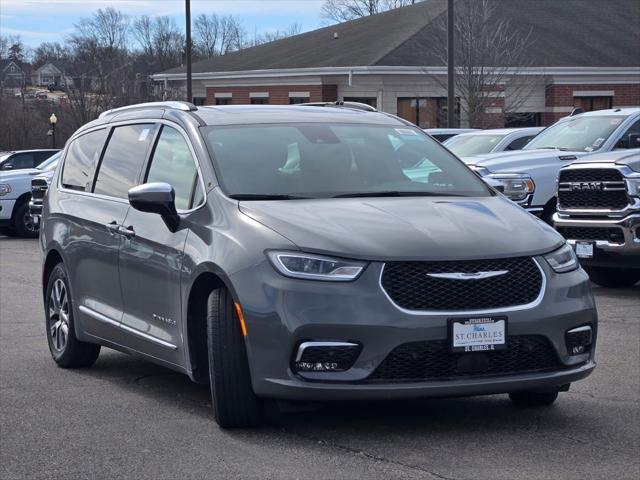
(468, 275)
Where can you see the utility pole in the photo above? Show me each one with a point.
(188, 31)
(451, 95)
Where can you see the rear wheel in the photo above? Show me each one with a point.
(23, 221)
(67, 351)
(613, 277)
(234, 402)
(529, 398)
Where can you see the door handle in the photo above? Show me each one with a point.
(113, 227)
(128, 232)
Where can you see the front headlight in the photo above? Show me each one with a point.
(562, 260)
(315, 267)
(4, 189)
(517, 186)
(633, 186)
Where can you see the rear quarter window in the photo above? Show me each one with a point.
(81, 160)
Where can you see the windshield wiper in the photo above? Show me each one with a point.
(396, 193)
(264, 196)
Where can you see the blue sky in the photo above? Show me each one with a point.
(52, 20)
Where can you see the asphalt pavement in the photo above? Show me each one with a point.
(127, 418)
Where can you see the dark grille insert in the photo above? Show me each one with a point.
(591, 175)
(432, 360)
(612, 199)
(612, 235)
(410, 287)
(38, 188)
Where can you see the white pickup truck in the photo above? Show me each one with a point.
(530, 175)
(15, 193)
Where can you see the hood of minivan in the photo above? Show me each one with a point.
(514, 162)
(411, 228)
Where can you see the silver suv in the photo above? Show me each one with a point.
(304, 253)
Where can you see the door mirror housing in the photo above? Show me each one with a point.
(156, 198)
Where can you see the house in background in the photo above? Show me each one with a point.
(13, 74)
(50, 74)
(584, 54)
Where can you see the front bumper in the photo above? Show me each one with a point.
(282, 312)
(607, 253)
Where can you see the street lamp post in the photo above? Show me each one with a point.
(53, 120)
(188, 47)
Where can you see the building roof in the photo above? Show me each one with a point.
(565, 33)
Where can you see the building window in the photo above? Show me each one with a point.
(199, 101)
(589, 104)
(522, 119)
(427, 112)
(296, 100)
(259, 100)
(373, 101)
(223, 100)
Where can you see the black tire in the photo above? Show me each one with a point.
(23, 223)
(529, 398)
(613, 277)
(235, 405)
(67, 351)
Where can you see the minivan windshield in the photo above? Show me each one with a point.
(472, 144)
(583, 134)
(319, 160)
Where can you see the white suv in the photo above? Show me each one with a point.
(530, 175)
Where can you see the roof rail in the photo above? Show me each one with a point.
(172, 105)
(354, 105)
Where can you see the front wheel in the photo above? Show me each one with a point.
(24, 225)
(234, 402)
(613, 277)
(67, 351)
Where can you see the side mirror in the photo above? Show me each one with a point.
(156, 198)
(499, 186)
(633, 140)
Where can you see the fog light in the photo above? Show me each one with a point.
(325, 356)
(578, 340)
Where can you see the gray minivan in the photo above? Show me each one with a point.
(304, 253)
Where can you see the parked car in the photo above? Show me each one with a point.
(173, 232)
(442, 134)
(530, 175)
(39, 185)
(52, 87)
(599, 215)
(21, 159)
(15, 192)
(482, 142)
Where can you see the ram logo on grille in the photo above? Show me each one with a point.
(579, 186)
(468, 275)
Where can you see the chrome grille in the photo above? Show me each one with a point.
(592, 188)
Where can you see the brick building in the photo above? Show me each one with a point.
(583, 53)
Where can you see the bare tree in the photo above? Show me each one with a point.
(272, 36)
(161, 41)
(344, 10)
(491, 59)
(216, 35)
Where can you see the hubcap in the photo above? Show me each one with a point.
(28, 223)
(59, 315)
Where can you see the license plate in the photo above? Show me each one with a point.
(478, 334)
(584, 250)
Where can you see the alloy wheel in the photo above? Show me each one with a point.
(59, 315)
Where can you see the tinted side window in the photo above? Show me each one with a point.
(172, 163)
(518, 143)
(123, 159)
(81, 160)
(633, 129)
(18, 161)
(42, 156)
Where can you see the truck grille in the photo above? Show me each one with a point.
(611, 235)
(411, 287)
(38, 189)
(592, 188)
(432, 360)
